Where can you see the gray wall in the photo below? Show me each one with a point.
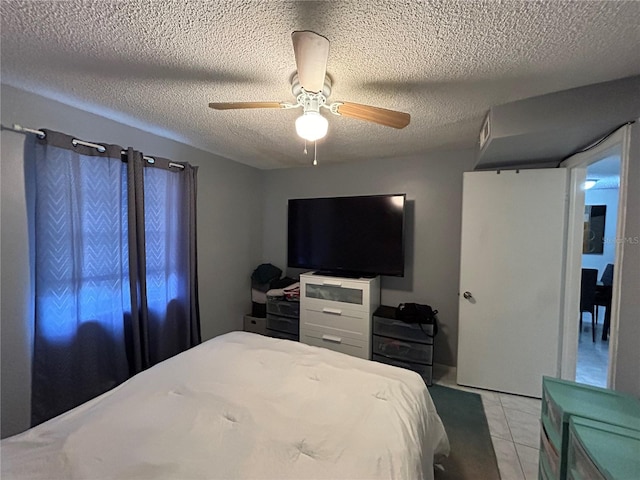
(433, 185)
(229, 233)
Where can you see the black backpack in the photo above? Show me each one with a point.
(416, 313)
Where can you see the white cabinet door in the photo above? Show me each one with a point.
(512, 257)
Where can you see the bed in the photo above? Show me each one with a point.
(243, 406)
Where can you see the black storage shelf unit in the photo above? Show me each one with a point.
(283, 318)
(405, 345)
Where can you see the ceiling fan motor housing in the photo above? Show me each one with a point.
(310, 101)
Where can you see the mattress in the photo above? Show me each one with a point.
(243, 406)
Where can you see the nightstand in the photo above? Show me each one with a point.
(405, 345)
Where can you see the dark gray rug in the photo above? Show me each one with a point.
(472, 455)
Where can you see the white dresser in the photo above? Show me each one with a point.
(336, 313)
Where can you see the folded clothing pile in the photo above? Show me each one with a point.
(266, 279)
(290, 292)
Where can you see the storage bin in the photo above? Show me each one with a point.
(600, 451)
(548, 451)
(573, 475)
(580, 464)
(255, 324)
(544, 470)
(553, 413)
(283, 324)
(283, 308)
(388, 327)
(403, 350)
(425, 371)
(563, 401)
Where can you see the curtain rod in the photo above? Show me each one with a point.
(75, 142)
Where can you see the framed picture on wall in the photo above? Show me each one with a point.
(594, 220)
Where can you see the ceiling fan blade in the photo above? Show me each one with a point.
(311, 51)
(382, 116)
(241, 105)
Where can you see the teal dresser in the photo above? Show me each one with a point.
(563, 401)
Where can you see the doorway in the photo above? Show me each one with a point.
(615, 145)
(602, 188)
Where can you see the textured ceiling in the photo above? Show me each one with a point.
(156, 65)
(606, 172)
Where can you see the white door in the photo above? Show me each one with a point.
(511, 266)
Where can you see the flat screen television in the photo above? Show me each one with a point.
(348, 236)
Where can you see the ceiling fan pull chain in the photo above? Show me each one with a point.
(305, 147)
(315, 153)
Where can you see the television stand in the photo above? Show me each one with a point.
(341, 274)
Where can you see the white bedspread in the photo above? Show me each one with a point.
(243, 406)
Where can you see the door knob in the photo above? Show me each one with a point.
(467, 295)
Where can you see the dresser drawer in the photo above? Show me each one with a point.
(425, 371)
(402, 350)
(341, 321)
(336, 309)
(338, 292)
(337, 343)
(282, 335)
(552, 411)
(335, 293)
(283, 324)
(580, 463)
(388, 327)
(549, 453)
(283, 308)
(572, 475)
(543, 470)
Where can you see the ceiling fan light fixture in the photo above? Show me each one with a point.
(311, 126)
(589, 184)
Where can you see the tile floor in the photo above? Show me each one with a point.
(514, 421)
(593, 357)
(514, 424)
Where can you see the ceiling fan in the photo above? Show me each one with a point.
(312, 86)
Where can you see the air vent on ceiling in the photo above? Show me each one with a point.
(485, 131)
(546, 129)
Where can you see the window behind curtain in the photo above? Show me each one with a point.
(82, 285)
(108, 224)
(166, 249)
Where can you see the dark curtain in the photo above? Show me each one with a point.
(115, 269)
(170, 271)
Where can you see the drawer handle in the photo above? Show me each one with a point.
(332, 311)
(332, 283)
(332, 338)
